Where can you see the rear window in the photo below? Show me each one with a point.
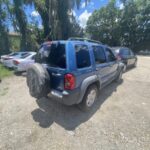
(54, 55)
(82, 56)
(124, 52)
(24, 55)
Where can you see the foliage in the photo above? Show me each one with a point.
(112, 25)
(21, 22)
(55, 17)
(129, 26)
(4, 40)
(14, 42)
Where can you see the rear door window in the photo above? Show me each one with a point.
(111, 57)
(54, 55)
(82, 56)
(99, 54)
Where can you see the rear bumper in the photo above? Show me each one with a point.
(8, 64)
(66, 97)
(19, 69)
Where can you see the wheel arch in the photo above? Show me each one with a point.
(92, 80)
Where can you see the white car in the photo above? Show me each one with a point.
(7, 60)
(23, 63)
(5, 57)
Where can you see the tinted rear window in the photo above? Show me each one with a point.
(124, 51)
(24, 55)
(54, 55)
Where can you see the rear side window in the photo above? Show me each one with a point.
(110, 55)
(82, 56)
(54, 55)
(99, 54)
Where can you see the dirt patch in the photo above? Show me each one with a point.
(119, 120)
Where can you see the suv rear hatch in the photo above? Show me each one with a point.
(53, 57)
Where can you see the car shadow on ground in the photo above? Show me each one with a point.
(130, 69)
(69, 117)
(23, 74)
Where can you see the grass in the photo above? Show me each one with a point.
(5, 72)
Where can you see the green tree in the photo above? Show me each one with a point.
(21, 22)
(129, 26)
(103, 24)
(143, 28)
(55, 16)
(4, 40)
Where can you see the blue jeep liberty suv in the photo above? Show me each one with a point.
(73, 71)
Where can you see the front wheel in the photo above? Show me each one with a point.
(89, 98)
(135, 64)
(119, 77)
(125, 68)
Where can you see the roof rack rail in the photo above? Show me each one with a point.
(83, 39)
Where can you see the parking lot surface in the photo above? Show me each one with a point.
(119, 120)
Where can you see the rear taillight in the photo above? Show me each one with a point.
(69, 82)
(16, 62)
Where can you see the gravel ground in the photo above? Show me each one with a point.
(119, 120)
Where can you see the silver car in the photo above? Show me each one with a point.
(23, 63)
(7, 60)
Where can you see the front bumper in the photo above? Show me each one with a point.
(66, 97)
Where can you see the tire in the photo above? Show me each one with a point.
(38, 81)
(87, 103)
(125, 68)
(135, 64)
(119, 76)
